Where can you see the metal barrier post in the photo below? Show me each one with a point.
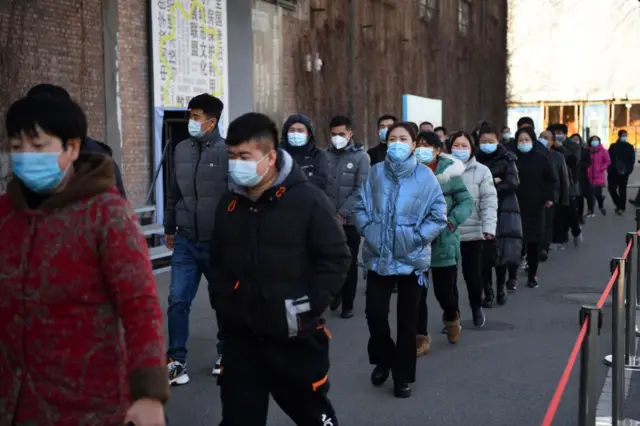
(617, 355)
(588, 365)
(637, 264)
(630, 305)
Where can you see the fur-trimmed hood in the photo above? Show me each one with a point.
(448, 168)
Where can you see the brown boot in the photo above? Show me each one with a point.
(453, 330)
(424, 344)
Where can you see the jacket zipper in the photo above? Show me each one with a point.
(195, 189)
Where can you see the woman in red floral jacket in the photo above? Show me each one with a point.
(81, 337)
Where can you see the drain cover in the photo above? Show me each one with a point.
(586, 298)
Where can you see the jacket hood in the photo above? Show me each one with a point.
(297, 118)
(289, 174)
(93, 174)
(451, 167)
(92, 145)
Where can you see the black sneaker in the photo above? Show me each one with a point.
(217, 367)
(478, 318)
(501, 296)
(379, 375)
(511, 285)
(346, 313)
(544, 255)
(603, 211)
(533, 282)
(401, 390)
(177, 373)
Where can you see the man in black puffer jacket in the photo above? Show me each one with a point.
(278, 257)
(299, 140)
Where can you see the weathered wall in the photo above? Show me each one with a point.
(396, 52)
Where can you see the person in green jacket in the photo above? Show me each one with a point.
(445, 250)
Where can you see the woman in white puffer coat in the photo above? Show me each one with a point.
(481, 225)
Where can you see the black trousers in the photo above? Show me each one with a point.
(580, 200)
(595, 194)
(618, 189)
(532, 251)
(400, 356)
(293, 372)
(472, 270)
(549, 219)
(350, 286)
(506, 271)
(445, 286)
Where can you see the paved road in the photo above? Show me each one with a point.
(502, 375)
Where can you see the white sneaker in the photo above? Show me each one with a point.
(217, 367)
(177, 373)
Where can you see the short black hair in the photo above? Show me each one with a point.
(341, 120)
(441, 129)
(505, 128)
(620, 132)
(49, 91)
(210, 105)
(558, 127)
(386, 117)
(254, 126)
(426, 123)
(467, 136)
(62, 118)
(415, 127)
(594, 137)
(488, 128)
(431, 139)
(526, 121)
(407, 125)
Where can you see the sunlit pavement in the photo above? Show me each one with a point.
(501, 375)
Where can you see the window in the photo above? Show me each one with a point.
(619, 115)
(464, 16)
(429, 9)
(285, 4)
(553, 114)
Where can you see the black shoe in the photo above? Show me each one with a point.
(511, 285)
(502, 296)
(379, 375)
(346, 313)
(335, 304)
(478, 317)
(582, 221)
(533, 282)
(634, 203)
(603, 211)
(544, 255)
(619, 212)
(487, 302)
(401, 390)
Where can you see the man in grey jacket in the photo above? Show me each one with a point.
(198, 182)
(349, 166)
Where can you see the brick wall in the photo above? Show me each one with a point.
(134, 99)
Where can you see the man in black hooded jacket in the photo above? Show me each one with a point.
(278, 256)
(299, 140)
(88, 145)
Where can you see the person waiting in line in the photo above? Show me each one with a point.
(506, 134)
(535, 193)
(426, 126)
(623, 158)
(348, 168)
(198, 181)
(441, 131)
(414, 126)
(479, 230)
(399, 213)
(82, 336)
(597, 175)
(378, 153)
(88, 144)
(278, 257)
(503, 252)
(445, 249)
(299, 140)
(560, 193)
(583, 180)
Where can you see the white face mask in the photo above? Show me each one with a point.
(339, 141)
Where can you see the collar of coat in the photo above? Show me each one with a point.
(448, 168)
(93, 174)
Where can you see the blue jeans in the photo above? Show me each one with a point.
(190, 260)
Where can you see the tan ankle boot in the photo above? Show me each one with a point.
(453, 330)
(424, 344)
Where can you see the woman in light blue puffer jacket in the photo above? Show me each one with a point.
(400, 211)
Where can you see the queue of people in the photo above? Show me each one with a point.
(274, 222)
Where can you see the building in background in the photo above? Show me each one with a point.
(576, 62)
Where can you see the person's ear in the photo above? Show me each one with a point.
(73, 148)
(272, 158)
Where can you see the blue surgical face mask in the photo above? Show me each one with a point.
(488, 148)
(195, 129)
(398, 152)
(525, 147)
(507, 135)
(245, 172)
(382, 134)
(461, 154)
(39, 171)
(560, 138)
(543, 142)
(297, 139)
(623, 138)
(424, 154)
(595, 143)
